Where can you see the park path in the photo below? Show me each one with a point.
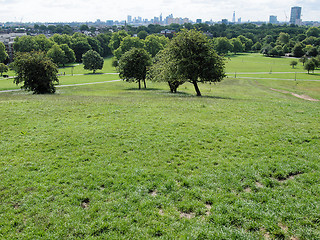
(67, 85)
(305, 97)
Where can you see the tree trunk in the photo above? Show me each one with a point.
(139, 84)
(144, 82)
(195, 84)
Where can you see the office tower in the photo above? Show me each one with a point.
(234, 17)
(295, 17)
(129, 19)
(273, 19)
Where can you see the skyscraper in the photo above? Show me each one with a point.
(295, 17)
(273, 19)
(234, 17)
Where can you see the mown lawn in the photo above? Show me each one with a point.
(108, 161)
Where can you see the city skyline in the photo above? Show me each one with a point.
(89, 10)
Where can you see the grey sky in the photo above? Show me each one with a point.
(90, 10)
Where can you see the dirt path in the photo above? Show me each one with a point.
(305, 97)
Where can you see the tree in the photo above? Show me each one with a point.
(36, 71)
(309, 66)
(116, 39)
(3, 68)
(293, 63)
(222, 45)
(3, 53)
(154, 44)
(164, 69)
(80, 47)
(195, 59)
(142, 35)
(25, 44)
(297, 50)
(69, 53)
(237, 45)
(128, 43)
(57, 55)
(313, 31)
(92, 61)
(303, 59)
(133, 65)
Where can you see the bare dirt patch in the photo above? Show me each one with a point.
(305, 97)
(85, 203)
(259, 185)
(208, 206)
(187, 215)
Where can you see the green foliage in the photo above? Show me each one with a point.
(61, 39)
(222, 45)
(284, 38)
(25, 44)
(195, 59)
(128, 43)
(3, 68)
(164, 69)
(116, 39)
(92, 61)
(69, 53)
(293, 63)
(142, 34)
(43, 43)
(237, 45)
(3, 53)
(36, 72)
(57, 55)
(313, 32)
(297, 50)
(80, 46)
(133, 65)
(154, 44)
(310, 66)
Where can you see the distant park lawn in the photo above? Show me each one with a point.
(109, 161)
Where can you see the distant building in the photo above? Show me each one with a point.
(234, 17)
(109, 22)
(129, 19)
(199, 21)
(225, 21)
(273, 19)
(239, 20)
(295, 17)
(8, 40)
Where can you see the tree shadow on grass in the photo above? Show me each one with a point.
(144, 89)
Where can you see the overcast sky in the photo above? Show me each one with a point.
(90, 10)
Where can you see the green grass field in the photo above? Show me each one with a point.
(109, 161)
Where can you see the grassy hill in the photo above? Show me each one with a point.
(109, 161)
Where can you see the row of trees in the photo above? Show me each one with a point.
(188, 57)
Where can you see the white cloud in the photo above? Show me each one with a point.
(90, 10)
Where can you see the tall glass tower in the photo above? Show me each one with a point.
(295, 17)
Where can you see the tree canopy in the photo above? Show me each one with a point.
(133, 65)
(195, 59)
(36, 71)
(92, 61)
(3, 53)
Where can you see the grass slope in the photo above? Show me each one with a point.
(108, 161)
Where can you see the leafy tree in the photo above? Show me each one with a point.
(297, 51)
(142, 35)
(61, 39)
(164, 69)
(95, 45)
(104, 39)
(36, 71)
(84, 27)
(128, 43)
(116, 39)
(133, 66)
(195, 59)
(284, 38)
(237, 45)
(256, 47)
(248, 43)
(293, 63)
(92, 61)
(57, 55)
(154, 44)
(313, 31)
(222, 45)
(25, 44)
(3, 53)
(3, 68)
(80, 47)
(303, 59)
(43, 43)
(69, 53)
(309, 66)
